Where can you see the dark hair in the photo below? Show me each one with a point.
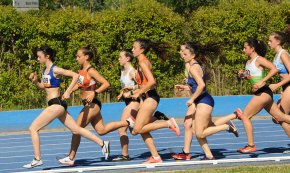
(128, 53)
(48, 51)
(281, 36)
(259, 46)
(201, 51)
(89, 51)
(159, 48)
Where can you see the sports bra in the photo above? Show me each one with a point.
(126, 80)
(49, 80)
(83, 80)
(277, 62)
(253, 73)
(191, 81)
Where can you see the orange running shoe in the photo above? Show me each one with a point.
(174, 126)
(152, 160)
(247, 149)
(238, 113)
(232, 128)
(181, 156)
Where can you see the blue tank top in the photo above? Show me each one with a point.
(49, 80)
(191, 81)
(281, 67)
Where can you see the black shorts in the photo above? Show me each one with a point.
(285, 86)
(264, 89)
(152, 94)
(57, 101)
(129, 100)
(95, 101)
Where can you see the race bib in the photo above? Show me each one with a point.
(46, 80)
(81, 80)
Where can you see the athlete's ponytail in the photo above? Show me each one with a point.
(90, 52)
(200, 51)
(259, 46)
(159, 48)
(48, 51)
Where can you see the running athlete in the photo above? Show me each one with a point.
(263, 95)
(128, 84)
(198, 120)
(282, 63)
(91, 112)
(57, 106)
(149, 97)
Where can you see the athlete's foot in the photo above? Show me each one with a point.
(33, 163)
(121, 158)
(131, 121)
(106, 149)
(232, 128)
(238, 112)
(247, 149)
(151, 159)
(160, 116)
(208, 158)
(174, 126)
(67, 161)
(181, 156)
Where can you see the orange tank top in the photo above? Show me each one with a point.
(84, 82)
(140, 78)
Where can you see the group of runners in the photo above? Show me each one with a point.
(141, 98)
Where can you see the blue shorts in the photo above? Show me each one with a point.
(205, 98)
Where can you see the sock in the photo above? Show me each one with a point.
(169, 124)
(156, 158)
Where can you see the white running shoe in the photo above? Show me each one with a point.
(67, 161)
(33, 164)
(106, 149)
(131, 120)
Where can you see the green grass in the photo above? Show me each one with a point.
(281, 168)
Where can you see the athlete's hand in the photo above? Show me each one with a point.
(136, 95)
(179, 87)
(241, 74)
(189, 102)
(120, 96)
(33, 77)
(90, 97)
(65, 96)
(126, 95)
(273, 87)
(257, 86)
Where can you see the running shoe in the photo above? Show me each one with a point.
(208, 158)
(247, 149)
(121, 158)
(160, 116)
(106, 149)
(238, 112)
(33, 164)
(181, 156)
(131, 121)
(174, 126)
(152, 160)
(232, 128)
(67, 161)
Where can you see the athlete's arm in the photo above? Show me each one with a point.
(69, 73)
(33, 78)
(100, 79)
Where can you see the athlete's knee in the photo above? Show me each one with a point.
(75, 130)
(187, 125)
(199, 134)
(33, 129)
(101, 131)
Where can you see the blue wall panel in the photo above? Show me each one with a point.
(20, 120)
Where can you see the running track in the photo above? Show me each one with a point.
(16, 150)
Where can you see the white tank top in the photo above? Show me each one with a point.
(253, 73)
(126, 80)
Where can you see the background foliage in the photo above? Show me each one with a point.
(113, 25)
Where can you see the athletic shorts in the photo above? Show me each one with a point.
(58, 101)
(205, 98)
(95, 101)
(129, 100)
(285, 86)
(264, 89)
(152, 94)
